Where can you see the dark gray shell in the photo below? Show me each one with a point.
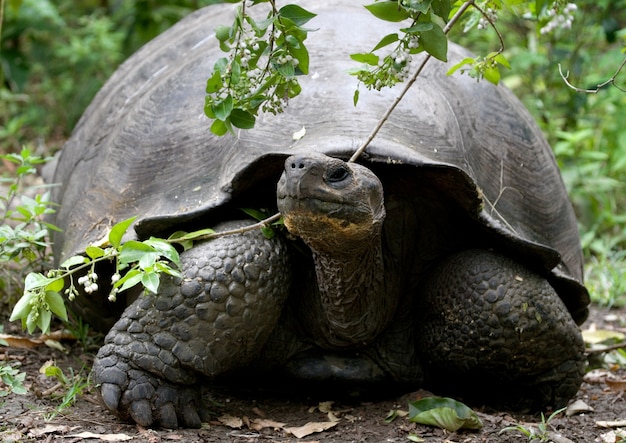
(144, 146)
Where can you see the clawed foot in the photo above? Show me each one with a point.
(135, 394)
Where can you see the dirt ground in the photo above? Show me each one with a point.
(243, 417)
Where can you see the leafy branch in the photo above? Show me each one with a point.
(140, 263)
(261, 71)
(136, 262)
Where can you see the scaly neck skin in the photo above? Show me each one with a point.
(352, 306)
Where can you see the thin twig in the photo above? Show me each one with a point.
(408, 86)
(610, 81)
(493, 26)
(261, 224)
(604, 349)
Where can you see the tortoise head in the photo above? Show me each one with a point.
(331, 204)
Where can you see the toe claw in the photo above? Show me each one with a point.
(167, 416)
(190, 417)
(141, 412)
(111, 395)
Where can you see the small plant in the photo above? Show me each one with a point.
(541, 432)
(72, 385)
(23, 230)
(12, 381)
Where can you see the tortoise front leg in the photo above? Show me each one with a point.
(216, 318)
(498, 333)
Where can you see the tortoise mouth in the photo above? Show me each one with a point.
(320, 195)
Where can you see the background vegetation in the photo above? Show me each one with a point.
(55, 56)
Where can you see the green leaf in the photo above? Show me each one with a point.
(367, 58)
(268, 232)
(184, 236)
(386, 40)
(418, 27)
(150, 281)
(186, 244)
(445, 413)
(43, 321)
(23, 306)
(56, 285)
(501, 59)
(94, 252)
(235, 73)
(35, 280)
(287, 70)
(242, 119)
(74, 261)
(132, 251)
(222, 109)
(222, 33)
(165, 249)
(255, 213)
(296, 14)
(300, 53)
(56, 372)
(163, 267)
(130, 279)
(219, 127)
(442, 8)
(148, 259)
(466, 61)
(388, 11)
(30, 322)
(492, 74)
(421, 6)
(435, 43)
(355, 97)
(214, 83)
(118, 231)
(56, 304)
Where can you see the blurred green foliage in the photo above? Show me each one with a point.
(55, 55)
(586, 130)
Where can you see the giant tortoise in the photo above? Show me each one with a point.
(446, 257)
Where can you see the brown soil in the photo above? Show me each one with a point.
(245, 417)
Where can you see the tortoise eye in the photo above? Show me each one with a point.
(337, 174)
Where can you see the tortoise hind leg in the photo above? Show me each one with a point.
(215, 319)
(494, 332)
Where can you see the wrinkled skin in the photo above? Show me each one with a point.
(369, 300)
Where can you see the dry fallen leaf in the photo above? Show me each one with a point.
(617, 385)
(595, 336)
(578, 407)
(611, 424)
(103, 437)
(613, 436)
(50, 429)
(558, 438)
(256, 424)
(310, 428)
(230, 421)
(596, 376)
(51, 340)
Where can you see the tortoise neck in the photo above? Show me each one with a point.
(353, 305)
